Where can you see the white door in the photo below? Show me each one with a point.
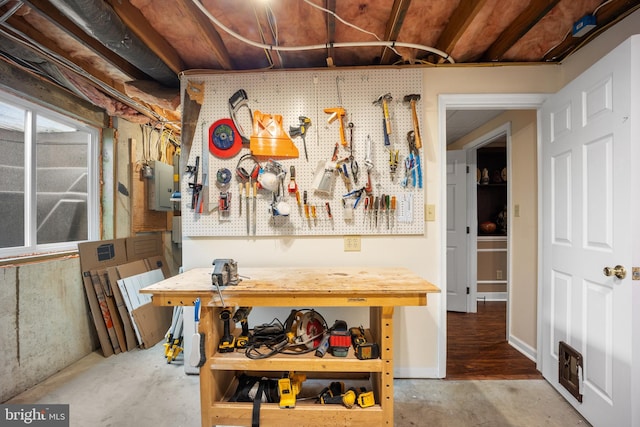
(457, 249)
(586, 191)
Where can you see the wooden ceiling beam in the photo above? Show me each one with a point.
(204, 26)
(608, 15)
(518, 28)
(460, 20)
(138, 24)
(56, 18)
(331, 30)
(394, 25)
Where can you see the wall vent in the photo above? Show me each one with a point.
(570, 369)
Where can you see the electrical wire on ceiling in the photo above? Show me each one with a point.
(594, 13)
(378, 43)
(273, 28)
(349, 24)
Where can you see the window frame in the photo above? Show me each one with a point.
(31, 247)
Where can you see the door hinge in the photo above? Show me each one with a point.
(468, 231)
(468, 290)
(467, 168)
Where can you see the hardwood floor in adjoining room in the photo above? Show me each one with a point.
(477, 347)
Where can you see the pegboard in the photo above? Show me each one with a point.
(307, 93)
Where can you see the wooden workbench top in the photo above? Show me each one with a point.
(279, 286)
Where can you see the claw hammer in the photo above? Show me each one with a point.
(412, 99)
(384, 101)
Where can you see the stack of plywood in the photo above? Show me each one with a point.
(112, 271)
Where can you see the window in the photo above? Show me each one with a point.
(48, 180)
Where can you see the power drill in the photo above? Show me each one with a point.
(241, 316)
(227, 341)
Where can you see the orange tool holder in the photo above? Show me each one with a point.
(269, 138)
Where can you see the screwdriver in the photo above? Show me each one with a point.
(306, 206)
(393, 211)
(382, 206)
(386, 204)
(366, 210)
(376, 206)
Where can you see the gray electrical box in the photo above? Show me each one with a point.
(160, 186)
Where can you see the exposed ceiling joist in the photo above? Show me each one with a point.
(459, 23)
(331, 30)
(609, 14)
(133, 19)
(212, 38)
(519, 27)
(394, 24)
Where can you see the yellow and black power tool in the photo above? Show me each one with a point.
(227, 340)
(241, 316)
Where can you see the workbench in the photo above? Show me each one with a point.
(380, 289)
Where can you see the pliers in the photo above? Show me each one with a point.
(414, 160)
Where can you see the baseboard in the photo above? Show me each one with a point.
(492, 296)
(523, 348)
(415, 373)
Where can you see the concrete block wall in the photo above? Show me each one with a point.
(45, 323)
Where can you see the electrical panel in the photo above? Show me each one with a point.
(160, 186)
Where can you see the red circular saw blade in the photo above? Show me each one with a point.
(224, 139)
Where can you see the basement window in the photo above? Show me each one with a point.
(48, 180)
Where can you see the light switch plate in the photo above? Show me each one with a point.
(430, 213)
(352, 243)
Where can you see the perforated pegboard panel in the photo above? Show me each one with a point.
(307, 93)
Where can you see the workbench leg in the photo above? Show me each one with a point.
(208, 327)
(381, 323)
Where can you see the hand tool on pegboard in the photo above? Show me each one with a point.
(193, 99)
(414, 160)
(254, 195)
(354, 164)
(238, 101)
(202, 204)
(337, 113)
(247, 190)
(412, 99)
(194, 186)
(384, 100)
(301, 131)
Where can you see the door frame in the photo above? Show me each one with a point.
(471, 150)
(483, 101)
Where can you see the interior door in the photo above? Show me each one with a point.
(457, 246)
(586, 161)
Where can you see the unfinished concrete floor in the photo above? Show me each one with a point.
(140, 389)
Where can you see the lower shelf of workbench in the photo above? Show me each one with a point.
(237, 360)
(308, 411)
(303, 415)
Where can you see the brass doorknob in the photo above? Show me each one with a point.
(619, 271)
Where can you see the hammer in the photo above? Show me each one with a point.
(384, 101)
(412, 99)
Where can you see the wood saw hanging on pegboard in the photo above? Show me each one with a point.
(320, 153)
